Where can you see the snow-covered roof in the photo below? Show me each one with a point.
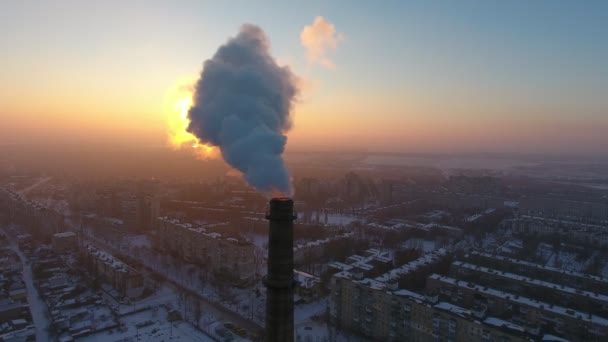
(557, 287)
(64, 234)
(534, 265)
(497, 322)
(453, 309)
(523, 300)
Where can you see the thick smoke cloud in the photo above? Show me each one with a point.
(241, 104)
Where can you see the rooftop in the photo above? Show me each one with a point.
(532, 281)
(523, 300)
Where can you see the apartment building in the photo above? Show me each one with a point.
(64, 242)
(314, 250)
(371, 264)
(536, 317)
(232, 259)
(372, 309)
(588, 301)
(121, 276)
(562, 276)
(563, 208)
(308, 286)
(573, 231)
(39, 221)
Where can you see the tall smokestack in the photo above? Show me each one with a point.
(279, 280)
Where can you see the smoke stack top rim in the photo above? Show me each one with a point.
(280, 208)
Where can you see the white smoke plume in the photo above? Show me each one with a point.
(242, 104)
(319, 39)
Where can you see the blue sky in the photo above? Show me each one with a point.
(403, 66)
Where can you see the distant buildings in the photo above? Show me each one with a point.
(572, 231)
(230, 258)
(314, 250)
(147, 205)
(37, 220)
(135, 205)
(64, 242)
(565, 209)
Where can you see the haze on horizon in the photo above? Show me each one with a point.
(472, 76)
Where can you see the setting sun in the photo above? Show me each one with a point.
(179, 101)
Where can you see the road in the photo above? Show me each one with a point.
(38, 308)
(38, 183)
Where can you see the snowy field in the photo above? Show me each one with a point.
(309, 327)
(560, 259)
(149, 325)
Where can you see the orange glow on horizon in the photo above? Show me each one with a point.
(179, 101)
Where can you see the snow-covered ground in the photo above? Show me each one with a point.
(303, 312)
(565, 260)
(137, 241)
(547, 255)
(322, 332)
(149, 325)
(37, 306)
(309, 326)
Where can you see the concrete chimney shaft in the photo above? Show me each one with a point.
(279, 280)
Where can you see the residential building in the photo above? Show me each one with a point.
(121, 276)
(230, 258)
(557, 293)
(64, 242)
(534, 316)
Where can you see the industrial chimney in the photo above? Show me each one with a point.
(279, 280)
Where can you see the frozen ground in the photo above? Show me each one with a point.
(37, 306)
(565, 260)
(149, 325)
(309, 326)
(322, 332)
(137, 241)
(547, 255)
(304, 312)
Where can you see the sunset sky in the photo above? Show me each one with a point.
(411, 76)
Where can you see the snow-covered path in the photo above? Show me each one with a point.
(37, 306)
(35, 185)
